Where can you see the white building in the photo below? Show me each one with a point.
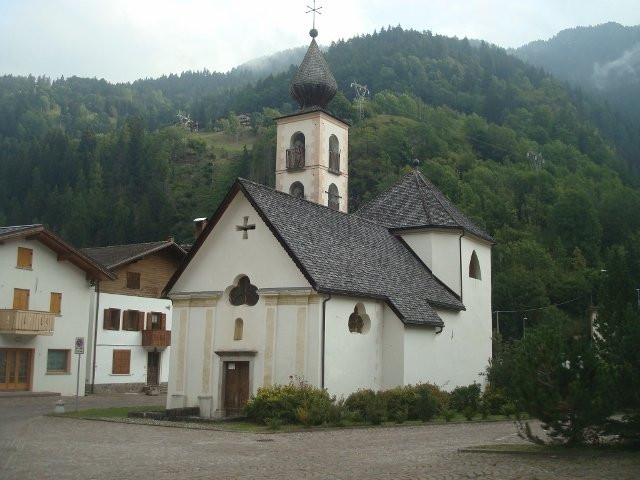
(45, 287)
(284, 283)
(131, 331)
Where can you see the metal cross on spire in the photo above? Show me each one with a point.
(314, 10)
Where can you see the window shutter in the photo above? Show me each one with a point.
(20, 299)
(106, 319)
(148, 321)
(163, 321)
(140, 321)
(121, 362)
(25, 257)
(55, 302)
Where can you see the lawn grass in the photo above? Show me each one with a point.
(113, 412)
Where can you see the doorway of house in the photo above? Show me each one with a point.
(236, 387)
(15, 368)
(153, 368)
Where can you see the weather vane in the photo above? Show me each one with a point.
(314, 10)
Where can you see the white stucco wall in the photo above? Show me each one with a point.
(353, 360)
(47, 275)
(280, 332)
(440, 251)
(459, 354)
(109, 340)
(317, 127)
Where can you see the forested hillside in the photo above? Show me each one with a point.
(602, 59)
(549, 172)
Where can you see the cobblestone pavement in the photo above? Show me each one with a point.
(38, 447)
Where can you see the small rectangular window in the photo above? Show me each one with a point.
(132, 320)
(58, 361)
(111, 320)
(20, 299)
(133, 280)
(25, 257)
(121, 362)
(55, 304)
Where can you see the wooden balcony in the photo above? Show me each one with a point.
(26, 322)
(156, 340)
(295, 157)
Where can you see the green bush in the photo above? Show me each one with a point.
(297, 402)
(466, 398)
(358, 403)
(492, 401)
(397, 403)
(367, 406)
(427, 402)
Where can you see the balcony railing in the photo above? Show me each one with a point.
(26, 322)
(295, 157)
(156, 339)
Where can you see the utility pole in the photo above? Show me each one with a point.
(361, 92)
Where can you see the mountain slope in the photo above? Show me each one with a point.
(603, 59)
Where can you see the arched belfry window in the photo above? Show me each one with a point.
(244, 293)
(334, 197)
(334, 154)
(295, 152)
(474, 267)
(238, 330)
(296, 190)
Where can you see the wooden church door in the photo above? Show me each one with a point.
(236, 387)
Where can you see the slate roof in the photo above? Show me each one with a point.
(313, 84)
(345, 254)
(64, 250)
(118, 255)
(414, 202)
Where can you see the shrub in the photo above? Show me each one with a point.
(397, 403)
(297, 402)
(466, 398)
(426, 404)
(492, 401)
(358, 403)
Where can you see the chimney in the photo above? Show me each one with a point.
(199, 224)
(171, 239)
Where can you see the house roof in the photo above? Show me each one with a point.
(118, 255)
(64, 250)
(414, 202)
(343, 254)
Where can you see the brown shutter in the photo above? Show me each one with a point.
(25, 257)
(148, 321)
(106, 319)
(20, 299)
(163, 321)
(55, 303)
(140, 321)
(121, 362)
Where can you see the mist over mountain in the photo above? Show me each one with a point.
(602, 59)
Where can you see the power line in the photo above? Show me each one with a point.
(540, 308)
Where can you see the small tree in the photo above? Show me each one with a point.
(560, 380)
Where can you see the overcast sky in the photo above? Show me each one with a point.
(123, 40)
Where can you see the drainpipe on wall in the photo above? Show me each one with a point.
(95, 337)
(460, 248)
(322, 339)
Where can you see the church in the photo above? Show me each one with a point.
(284, 284)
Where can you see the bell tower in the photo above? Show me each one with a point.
(312, 154)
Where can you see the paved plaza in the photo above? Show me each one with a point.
(33, 446)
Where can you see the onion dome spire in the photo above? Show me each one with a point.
(313, 85)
